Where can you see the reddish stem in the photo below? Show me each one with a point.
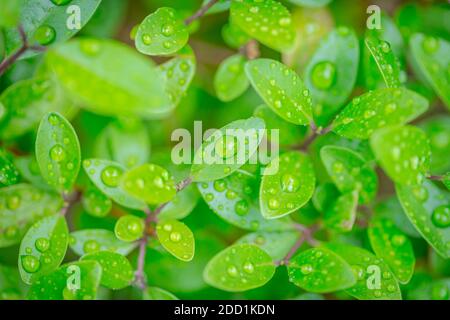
(200, 12)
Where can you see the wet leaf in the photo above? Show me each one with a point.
(95, 202)
(238, 268)
(29, 170)
(281, 89)
(320, 270)
(230, 80)
(58, 152)
(176, 238)
(129, 228)
(341, 214)
(378, 109)
(234, 36)
(155, 293)
(43, 248)
(92, 240)
(437, 129)
(311, 3)
(8, 172)
(288, 188)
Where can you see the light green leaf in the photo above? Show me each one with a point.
(331, 72)
(234, 199)
(150, 183)
(349, 171)
(95, 202)
(403, 153)
(427, 208)
(26, 102)
(92, 240)
(240, 267)
(341, 214)
(129, 228)
(58, 152)
(161, 33)
(230, 80)
(281, 89)
(446, 180)
(311, 3)
(178, 74)
(289, 186)
(267, 21)
(43, 248)
(117, 272)
(21, 205)
(112, 79)
(437, 129)
(106, 175)
(432, 58)
(234, 36)
(127, 143)
(383, 55)
(288, 133)
(227, 149)
(176, 238)
(10, 13)
(378, 109)
(45, 22)
(276, 243)
(55, 286)
(29, 170)
(8, 172)
(155, 293)
(320, 270)
(375, 281)
(390, 244)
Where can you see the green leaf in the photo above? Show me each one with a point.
(161, 33)
(8, 172)
(111, 80)
(95, 202)
(29, 170)
(10, 13)
(220, 6)
(117, 272)
(21, 205)
(58, 151)
(403, 153)
(129, 228)
(234, 36)
(287, 184)
(238, 268)
(61, 284)
(234, 199)
(106, 175)
(276, 243)
(155, 293)
(311, 3)
(390, 244)
(341, 214)
(46, 23)
(331, 72)
(227, 149)
(230, 80)
(446, 180)
(26, 102)
(127, 143)
(11, 287)
(383, 55)
(349, 171)
(375, 281)
(324, 196)
(378, 109)
(43, 248)
(437, 129)
(288, 133)
(92, 240)
(320, 270)
(178, 74)
(267, 21)
(150, 183)
(431, 56)
(176, 238)
(427, 208)
(281, 89)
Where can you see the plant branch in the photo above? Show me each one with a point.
(316, 132)
(250, 50)
(200, 12)
(8, 61)
(69, 201)
(435, 178)
(140, 280)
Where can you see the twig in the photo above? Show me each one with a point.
(140, 279)
(69, 201)
(7, 62)
(435, 178)
(315, 133)
(250, 50)
(200, 12)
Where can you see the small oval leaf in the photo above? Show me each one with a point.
(155, 293)
(341, 214)
(230, 80)
(92, 240)
(176, 238)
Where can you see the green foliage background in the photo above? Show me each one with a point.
(87, 181)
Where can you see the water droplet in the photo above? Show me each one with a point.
(391, 288)
(420, 193)
(232, 271)
(13, 202)
(289, 183)
(249, 267)
(385, 47)
(358, 271)
(398, 240)
(254, 9)
(209, 197)
(57, 153)
(241, 207)
(430, 44)
(91, 246)
(11, 232)
(167, 44)
(323, 75)
(274, 204)
(231, 195)
(167, 30)
(30, 264)
(175, 236)
(167, 227)
(306, 269)
(226, 146)
(42, 244)
(90, 46)
(45, 35)
(110, 176)
(220, 185)
(284, 21)
(441, 216)
(146, 39)
(439, 291)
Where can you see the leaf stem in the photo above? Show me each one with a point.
(250, 49)
(435, 178)
(8, 61)
(69, 201)
(200, 12)
(316, 132)
(140, 280)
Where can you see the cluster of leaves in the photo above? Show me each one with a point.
(356, 204)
